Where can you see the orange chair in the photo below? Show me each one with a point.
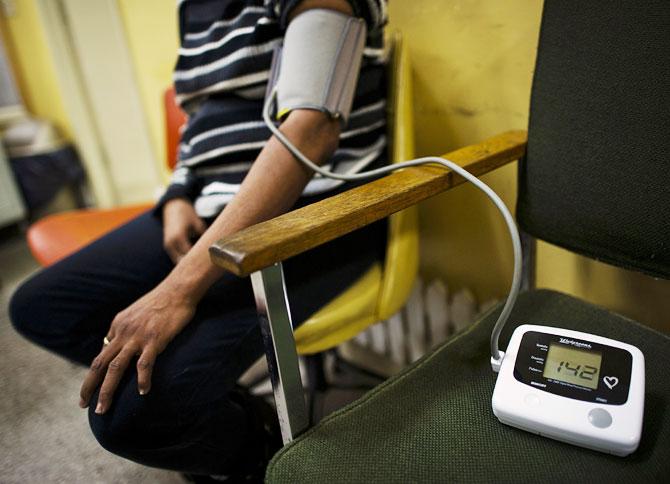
(54, 237)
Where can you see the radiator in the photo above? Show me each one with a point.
(430, 317)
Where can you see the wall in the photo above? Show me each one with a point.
(32, 61)
(151, 30)
(50, 83)
(109, 82)
(473, 63)
(40, 59)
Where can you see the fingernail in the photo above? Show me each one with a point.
(143, 392)
(98, 408)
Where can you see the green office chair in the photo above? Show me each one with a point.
(593, 178)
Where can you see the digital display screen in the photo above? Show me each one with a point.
(571, 365)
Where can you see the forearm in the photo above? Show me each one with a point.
(271, 188)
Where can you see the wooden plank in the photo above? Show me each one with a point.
(275, 240)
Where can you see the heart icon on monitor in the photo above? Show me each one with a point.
(611, 381)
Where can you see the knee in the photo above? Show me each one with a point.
(23, 309)
(117, 431)
(112, 435)
(132, 425)
(42, 312)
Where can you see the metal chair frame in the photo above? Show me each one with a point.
(280, 349)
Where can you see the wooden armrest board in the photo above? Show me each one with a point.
(275, 240)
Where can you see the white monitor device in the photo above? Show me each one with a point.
(574, 387)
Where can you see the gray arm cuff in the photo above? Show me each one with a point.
(317, 67)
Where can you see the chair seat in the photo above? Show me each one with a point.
(57, 236)
(433, 422)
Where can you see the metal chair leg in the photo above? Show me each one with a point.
(277, 330)
(316, 377)
(528, 269)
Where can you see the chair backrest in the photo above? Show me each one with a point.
(596, 177)
(402, 250)
(174, 120)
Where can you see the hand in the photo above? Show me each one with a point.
(180, 225)
(143, 329)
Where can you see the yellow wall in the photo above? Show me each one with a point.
(23, 34)
(473, 63)
(151, 30)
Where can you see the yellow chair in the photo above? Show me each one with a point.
(374, 297)
(383, 289)
(259, 250)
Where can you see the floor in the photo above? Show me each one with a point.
(44, 435)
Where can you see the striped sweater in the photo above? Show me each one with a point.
(220, 79)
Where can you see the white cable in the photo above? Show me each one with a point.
(496, 354)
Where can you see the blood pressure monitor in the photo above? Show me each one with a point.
(574, 387)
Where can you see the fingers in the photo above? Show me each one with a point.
(115, 371)
(181, 223)
(96, 373)
(172, 253)
(109, 367)
(199, 226)
(177, 247)
(145, 366)
(110, 336)
(183, 245)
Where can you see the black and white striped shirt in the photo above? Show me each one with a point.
(220, 79)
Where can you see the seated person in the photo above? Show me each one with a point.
(178, 331)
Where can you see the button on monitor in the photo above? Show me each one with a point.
(600, 418)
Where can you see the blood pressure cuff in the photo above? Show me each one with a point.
(318, 64)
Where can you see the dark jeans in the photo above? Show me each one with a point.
(190, 420)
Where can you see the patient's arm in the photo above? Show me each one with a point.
(271, 187)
